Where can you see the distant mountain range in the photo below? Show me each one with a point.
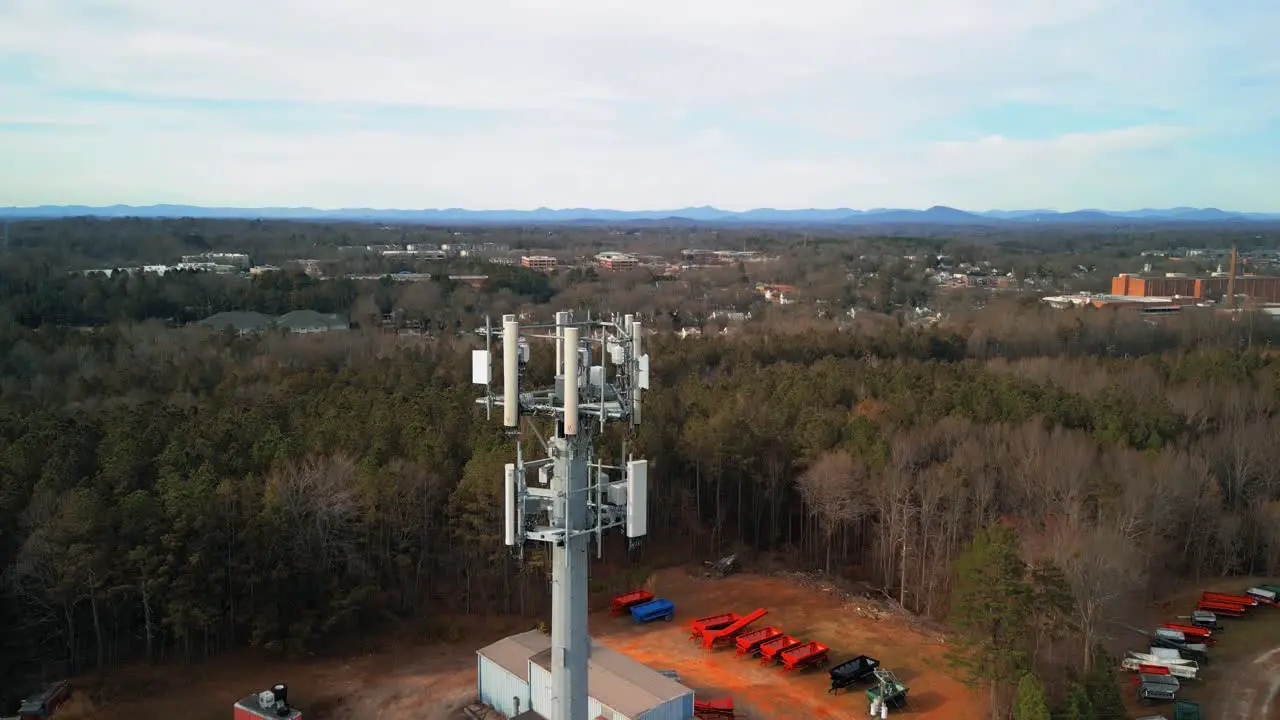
(937, 215)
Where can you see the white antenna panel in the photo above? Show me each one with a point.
(524, 351)
(481, 367)
(643, 367)
(510, 371)
(635, 338)
(584, 364)
(544, 475)
(637, 498)
(571, 381)
(596, 376)
(510, 514)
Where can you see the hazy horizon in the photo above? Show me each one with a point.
(495, 105)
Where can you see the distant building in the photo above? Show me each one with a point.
(298, 321)
(720, 257)
(239, 260)
(777, 294)
(1255, 287)
(475, 281)
(310, 321)
(617, 261)
(165, 269)
(700, 257)
(1145, 305)
(242, 323)
(538, 262)
(429, 255)
(310, 266)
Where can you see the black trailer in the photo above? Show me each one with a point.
(1157, 688)
(851, 671)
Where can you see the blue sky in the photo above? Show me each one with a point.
(568, 103)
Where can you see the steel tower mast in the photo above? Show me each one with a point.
(573, 496)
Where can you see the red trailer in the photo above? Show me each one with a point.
(1193, 633)
(718, 636)
(749, 643)
(714, 709)
(1221, 608)
(624, 602)
(1153, 669)
(712, 623)
(806, 655)
(1245, 600)
(769, 650)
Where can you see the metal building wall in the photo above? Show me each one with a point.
(540, 689)
(540, 694)
(678, 708)
(498, 688)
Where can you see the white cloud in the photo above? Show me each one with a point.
(596, 92)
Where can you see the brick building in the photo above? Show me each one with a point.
(1254, 287)
(538, 262)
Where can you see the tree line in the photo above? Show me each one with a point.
(168, 494)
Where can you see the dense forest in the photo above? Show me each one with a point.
(169, 493)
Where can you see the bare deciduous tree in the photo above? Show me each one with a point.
(830, 491)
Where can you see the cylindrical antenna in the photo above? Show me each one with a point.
(562, 319)
(510, 371)
(570, 381)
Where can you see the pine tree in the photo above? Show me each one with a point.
(1031, 703)
(1105, 699)
(991, 609)
(1078, 705)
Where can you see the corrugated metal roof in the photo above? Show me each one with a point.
(512, 653)
(629, 687)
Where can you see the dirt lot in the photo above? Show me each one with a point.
(400, 679)
(406, 680)
(806, 612)
(1242, 681)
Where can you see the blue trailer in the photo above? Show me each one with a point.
(656, 609)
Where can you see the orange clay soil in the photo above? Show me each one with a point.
(397, 679)
(400, 679)
(808, 614)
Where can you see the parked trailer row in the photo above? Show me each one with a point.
(773, 646)
(1179, 649)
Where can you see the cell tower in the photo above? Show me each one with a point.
(600, 374)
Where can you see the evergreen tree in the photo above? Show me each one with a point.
(1105, 699)
(991, 608)
(1031, 703)
(1078, 705)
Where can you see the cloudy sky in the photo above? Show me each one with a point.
(646, 104)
